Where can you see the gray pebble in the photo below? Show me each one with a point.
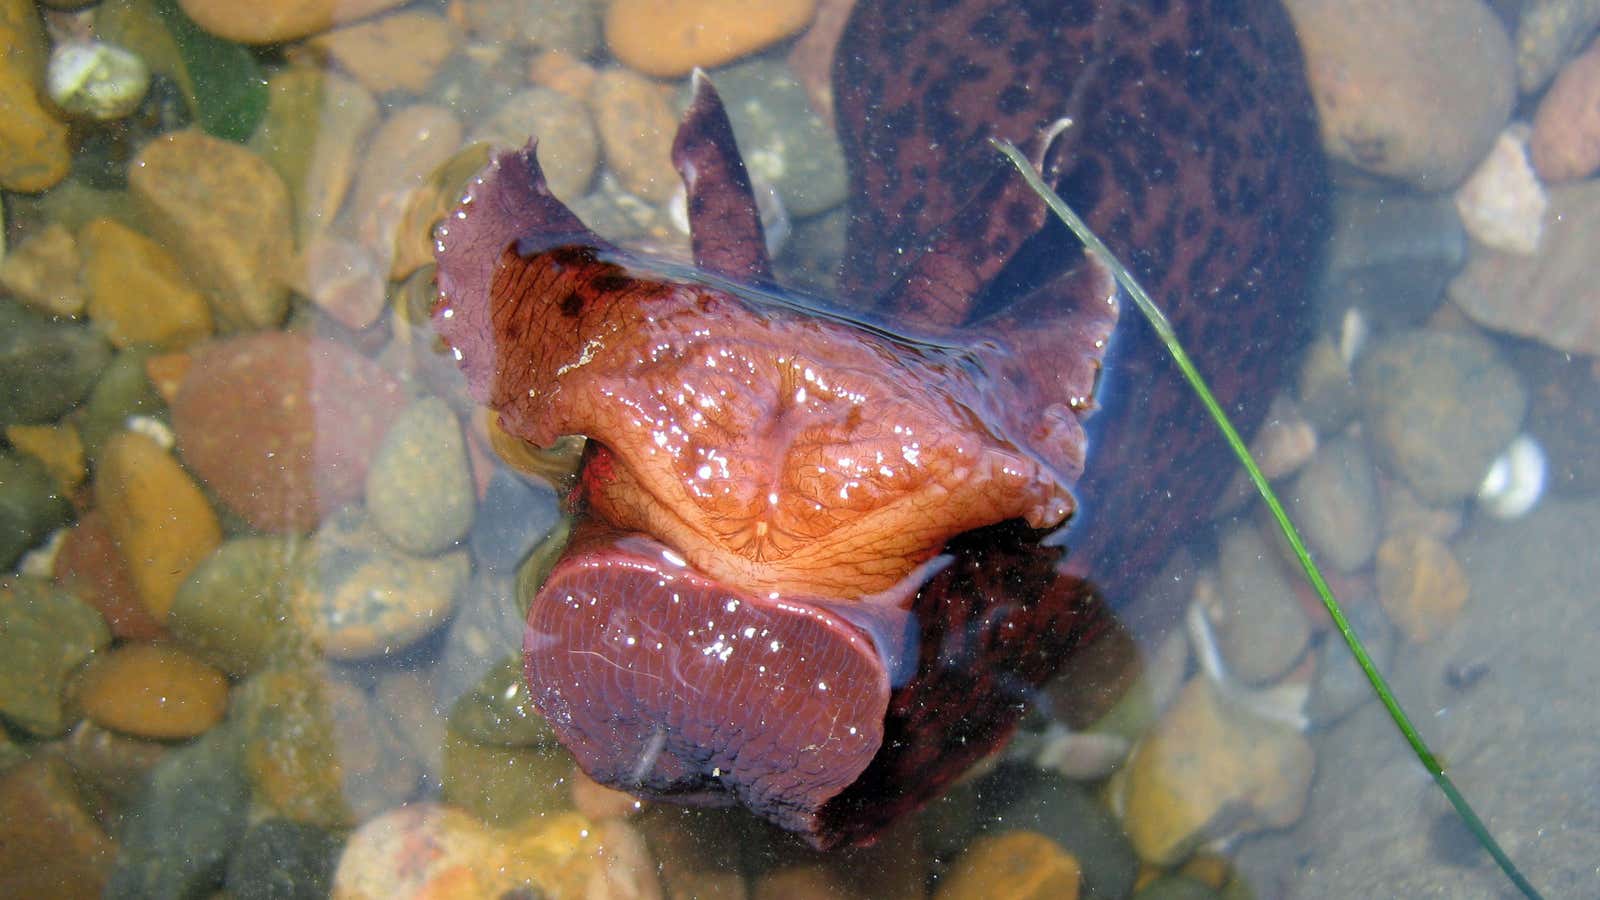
(419, 489)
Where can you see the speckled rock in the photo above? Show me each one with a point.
(283, 426)
(33, 143)
(235, 611)
(45, 633)
(395, 52)
(361, 598)
(291, 745)
(1259, 628)
(152, 691)
(1421, 585)
(636, 125)
(1020, 864)
(312, 134)
(31, 505)
(419, 489)
(1502, 204)
(1439, 406)
(90, 565)
(283, 860)
(1547, 32)
(1392, 94)
(50, 846)
(137, 293)
(45, 367)
(277, 21)
(176, 837)
(42, 271)
(783, 141)
(1208, 770)
(569, 148)
(668, 39)
(1335, 499)
(157, 515)
(562, 25)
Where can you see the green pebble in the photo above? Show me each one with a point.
(500, 711)
(505, 785)
(31, 505)
(419, 490)
(45, 633)
(235, 610)
(46, 366)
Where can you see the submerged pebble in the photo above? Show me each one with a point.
(45, 633)
(419, 489)
(95, 79)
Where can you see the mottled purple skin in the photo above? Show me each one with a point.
(1192, 152)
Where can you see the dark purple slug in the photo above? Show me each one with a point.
(829, 550)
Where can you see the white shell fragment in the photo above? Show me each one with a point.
(96, 80)
(1515, 480)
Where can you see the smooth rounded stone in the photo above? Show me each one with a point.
(1421, 585)
(419, 489)
(152, 691)
(292, 745)
(514, 516)
(122, 392)
(1335, 498)
(1325, 390)
(1553, 296)
(156, 514)
(57, 447)
(45, 633)
(283, 860)
(1177, 887)
(407, 147)
(669, 39)
(177, 835)
(360, 598)
(637, 125)
(224, 212)
(500, 711)
(316, 123)
(485, 632)
(137, 293)
(31, 505)
(569, 147)
(42, 271)
(1339, 686)
(380, 771)
(235, 609)
(564, 25)
(95, 79)
(1502, 203)
(282, 426)
(1439, 407)
(1261, 630)
(50, 846)
(277, 21)
(1066, 812)
(398, 51)
(112, 765)
(34, 152)
(45, 367)
(405, 698)
(1390, 257)
(1548, 31)
(1391, 92)
(783, 140)
(1210, 770)
(89, 565)
(344, 279)
(506, 785)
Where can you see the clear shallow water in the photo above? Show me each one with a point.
(1500, 690)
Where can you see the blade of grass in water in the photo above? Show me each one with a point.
(1163, 328)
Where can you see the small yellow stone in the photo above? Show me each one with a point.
(137, 293)
(57, 446)
(42, 271)
(153, 691)
(157, 514)
(1015, 865)
(276, 21)
(1420, 585)
(401, 51)
(668, 38)
(33, 143)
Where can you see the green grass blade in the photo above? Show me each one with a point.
(1163, 328)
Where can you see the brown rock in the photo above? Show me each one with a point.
(57, 446)
(276, 21)
(637, 126)
(344, 278)
(49, 844)
(569, 149)
(224, 213)
(90, 565)
(1566, 128)
(137, 293)
(1392, 92)
(33, 143)
(283, 426)
(668, 38)
(1420, 584)
(156, 514)
(405, 150)
(397, 52)
(42, 271)
(153, 691)
(1017, 865)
